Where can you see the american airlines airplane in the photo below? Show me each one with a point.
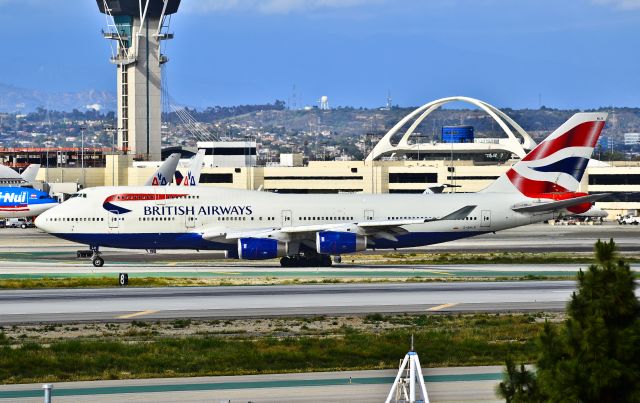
(193, 173)
(306, 229)
(164, 174)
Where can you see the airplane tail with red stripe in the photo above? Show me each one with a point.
(556, 165)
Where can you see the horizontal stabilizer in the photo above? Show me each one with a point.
(458, 214)
(560, 204)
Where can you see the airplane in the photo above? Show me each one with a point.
(193, 174)
(164, 174)
(9, 177)
(19, 202)
(307, 229)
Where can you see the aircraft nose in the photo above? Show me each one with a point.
(43, 221)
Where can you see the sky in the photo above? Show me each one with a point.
(510, 53)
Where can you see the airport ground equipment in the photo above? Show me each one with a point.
(409, 383)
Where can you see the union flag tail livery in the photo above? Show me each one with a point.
(554, 168)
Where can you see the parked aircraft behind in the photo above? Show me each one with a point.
(18, 202)
(305, 229)
(193, 174)
(9, 177)
(164, 174)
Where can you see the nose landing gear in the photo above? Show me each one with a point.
(96, 259)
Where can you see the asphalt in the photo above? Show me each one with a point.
(457, 384)
(122, 304)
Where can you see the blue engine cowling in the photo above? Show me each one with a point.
(260, 248)
(336, 243)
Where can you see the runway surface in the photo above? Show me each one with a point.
(115, 304)
(461, 384)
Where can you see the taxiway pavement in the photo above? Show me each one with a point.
(117, 304)
(457, 384)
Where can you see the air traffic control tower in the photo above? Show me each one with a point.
(137, 29)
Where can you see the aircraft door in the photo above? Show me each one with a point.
(161, 195)
(286, 218)
(485, 218)
(368, 215)
(189, 221)
(114, 220)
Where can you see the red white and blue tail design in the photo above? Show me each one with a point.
(556, 165)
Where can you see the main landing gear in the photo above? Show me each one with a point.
(306, 261)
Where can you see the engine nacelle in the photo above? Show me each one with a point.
(261, 248)
(336, 243)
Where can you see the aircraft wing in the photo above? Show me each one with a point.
(384, 228)
(559, 204)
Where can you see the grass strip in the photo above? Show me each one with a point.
(110, 282)
(441, 340)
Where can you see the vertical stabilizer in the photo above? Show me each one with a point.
(164, 174)
(193, 174)
(557, 164)
(29, 174)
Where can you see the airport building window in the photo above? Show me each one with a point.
(231, 151)
(412, 191)
(472, 178)
(315, 178)
(607, 179)
(216, 178)
(414, 177)
(630, 197)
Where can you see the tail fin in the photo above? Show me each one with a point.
(164, 174)
(193, 174)
(30, 173)
(557, 164)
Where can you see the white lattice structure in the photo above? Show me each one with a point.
(409, 387)
(518, 142)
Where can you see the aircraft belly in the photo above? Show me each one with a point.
(147, 241)
(414, 239)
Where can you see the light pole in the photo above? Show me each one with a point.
(82, 155)
(113, 131)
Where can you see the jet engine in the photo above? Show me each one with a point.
(261, 248)
(336, 243)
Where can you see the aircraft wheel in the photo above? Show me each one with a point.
(286, 261)
(326, 261)
(98, 261)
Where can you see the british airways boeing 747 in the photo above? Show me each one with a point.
(308, 229)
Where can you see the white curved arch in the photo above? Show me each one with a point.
(385, 146)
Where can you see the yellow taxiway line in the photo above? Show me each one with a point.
(439, 307)
(135, 314)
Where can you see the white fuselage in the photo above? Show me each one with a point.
(180, 218)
